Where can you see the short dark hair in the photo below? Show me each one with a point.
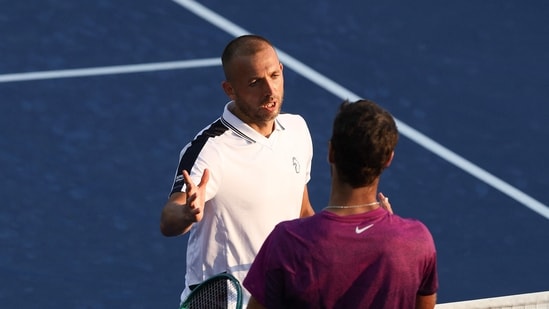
(363, 139)
(244, 45)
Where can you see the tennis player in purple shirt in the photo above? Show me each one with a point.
(354, 253)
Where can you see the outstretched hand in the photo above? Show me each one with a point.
(196, 195)
(384, 202)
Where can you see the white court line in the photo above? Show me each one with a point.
(119, 69)
(404, 129)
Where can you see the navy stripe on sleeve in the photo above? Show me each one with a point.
(191, 153)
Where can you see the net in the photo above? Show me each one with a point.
(520, 301)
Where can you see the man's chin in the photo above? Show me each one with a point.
(269, 116)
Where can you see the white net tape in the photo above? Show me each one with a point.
(520, 301)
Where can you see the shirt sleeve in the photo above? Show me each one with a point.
(429, 284)
(195, 163)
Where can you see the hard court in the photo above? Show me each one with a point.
(98, 98)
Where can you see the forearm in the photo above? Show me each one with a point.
(426, 301)
(174, 219)
(306, 212)
(184, 208)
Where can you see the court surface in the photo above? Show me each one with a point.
(98, 97)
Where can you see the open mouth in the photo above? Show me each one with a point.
(270, 105)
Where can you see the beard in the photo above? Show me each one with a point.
(264, 112)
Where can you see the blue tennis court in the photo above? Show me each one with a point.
(98, 97)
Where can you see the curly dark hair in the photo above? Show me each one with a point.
(363, 138)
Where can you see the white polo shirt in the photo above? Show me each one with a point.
(255, 183)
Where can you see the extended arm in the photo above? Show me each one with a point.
(184, 208)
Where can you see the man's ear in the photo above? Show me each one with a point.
(390, 159)
(228, 88)
(330, 153)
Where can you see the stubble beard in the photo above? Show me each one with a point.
(260, 114)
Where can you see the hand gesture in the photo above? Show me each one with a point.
(196, 195)
(384, 202)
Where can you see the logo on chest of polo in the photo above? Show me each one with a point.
(295, 162)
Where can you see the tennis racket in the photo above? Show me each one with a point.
(222, 291)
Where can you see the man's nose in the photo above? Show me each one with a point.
(269, 87)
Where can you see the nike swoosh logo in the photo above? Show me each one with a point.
(360, 230)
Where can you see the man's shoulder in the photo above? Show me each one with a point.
(409, 220)
(298, 225)
(414, 228)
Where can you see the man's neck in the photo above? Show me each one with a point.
(346, 200)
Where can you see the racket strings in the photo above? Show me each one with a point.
(217, 294)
